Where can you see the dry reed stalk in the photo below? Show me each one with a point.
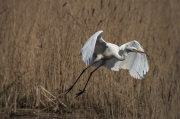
(37, 97)
(44, 105)
(15, 97)
(60, 102)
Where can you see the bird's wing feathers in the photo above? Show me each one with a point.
(95, 42)
(136, 63)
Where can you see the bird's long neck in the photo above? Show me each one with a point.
(120, 58)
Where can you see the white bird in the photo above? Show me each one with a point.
(97, 52)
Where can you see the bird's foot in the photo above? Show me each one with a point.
(70, 88)
(80, 92)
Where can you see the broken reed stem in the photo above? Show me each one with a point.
(42, 103)
(50, 97)
(47, 91)
(60, 102)
(51, 100)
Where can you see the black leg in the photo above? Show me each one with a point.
(82, 91)
(70, 88)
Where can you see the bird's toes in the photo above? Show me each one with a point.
(80, 92)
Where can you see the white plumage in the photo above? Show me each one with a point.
(97, 52)
(135, 62)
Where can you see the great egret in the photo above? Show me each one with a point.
(97, 52)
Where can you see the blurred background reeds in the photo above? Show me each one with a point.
(39, 45)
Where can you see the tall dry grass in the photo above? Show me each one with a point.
(40, 42)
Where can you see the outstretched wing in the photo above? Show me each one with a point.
(95, 44)
(136, 63)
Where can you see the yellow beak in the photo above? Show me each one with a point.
(140, 51)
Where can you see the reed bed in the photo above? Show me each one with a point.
(40, 41)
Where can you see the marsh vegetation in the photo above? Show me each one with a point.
(40, 41)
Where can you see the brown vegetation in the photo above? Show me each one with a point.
(39, 45)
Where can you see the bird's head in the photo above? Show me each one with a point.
(133, 49)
